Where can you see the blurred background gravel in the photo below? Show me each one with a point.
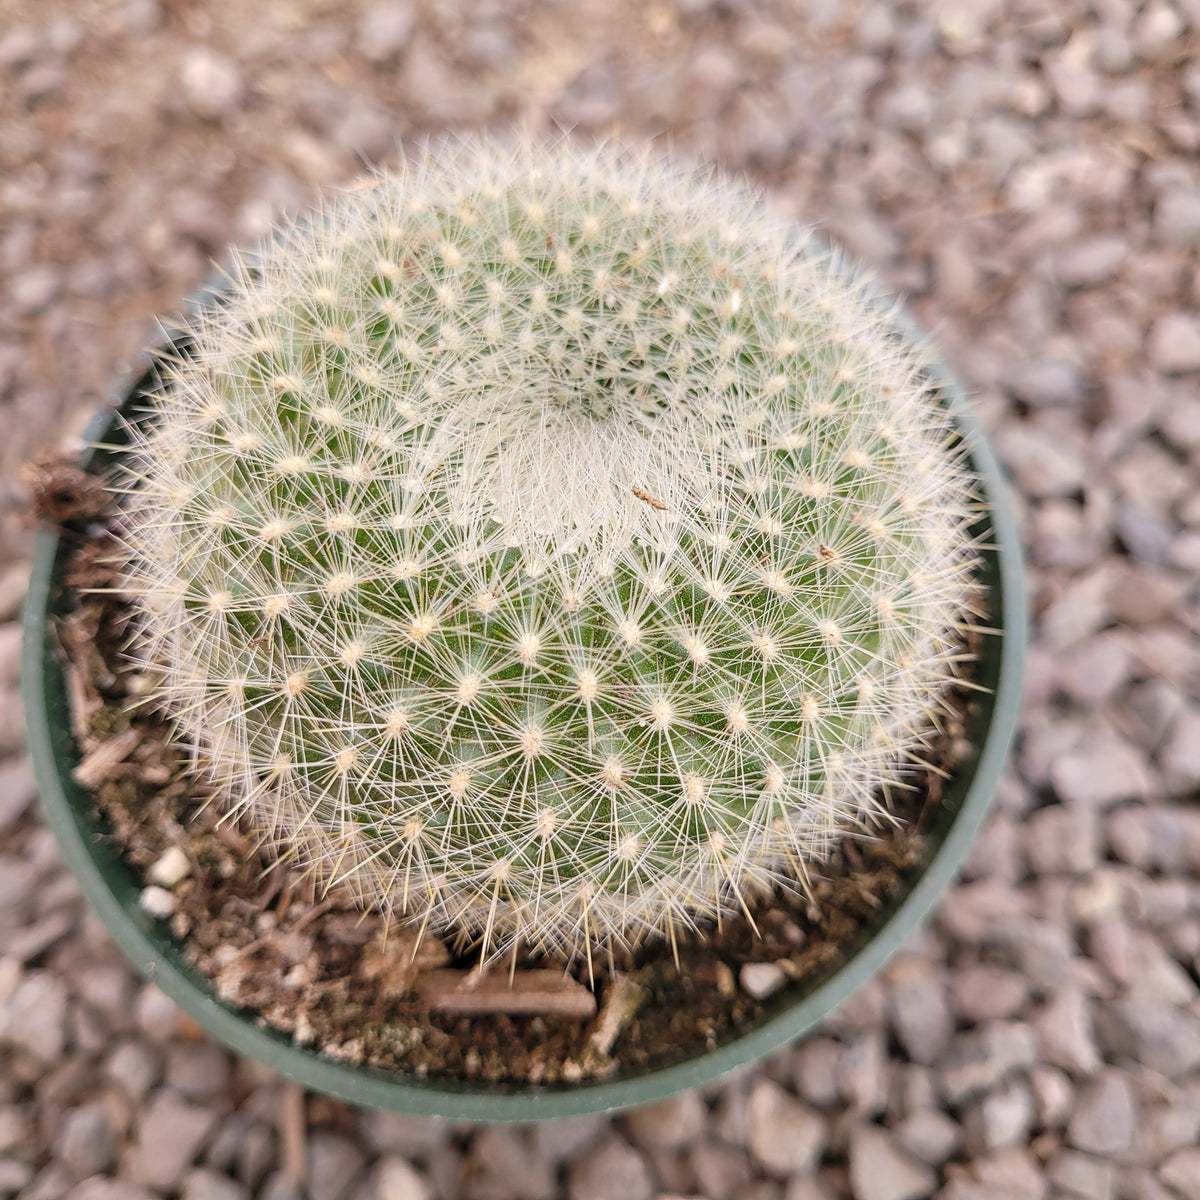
(1026, 171)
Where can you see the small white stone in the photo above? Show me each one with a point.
(1173, 345)
(157, 901)
(171, 868)
(760, 980)
(211, 83)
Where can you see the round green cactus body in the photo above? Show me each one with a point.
(550, 545)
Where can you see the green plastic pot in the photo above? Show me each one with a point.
(112, 888)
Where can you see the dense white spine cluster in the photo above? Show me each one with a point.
(549, 545)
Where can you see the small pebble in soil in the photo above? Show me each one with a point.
(171, 868)
(760, 980)
(157, 901)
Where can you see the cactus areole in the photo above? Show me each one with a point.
(551, 546)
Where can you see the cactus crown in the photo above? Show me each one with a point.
(550, 545)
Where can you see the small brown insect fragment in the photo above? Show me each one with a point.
(642, 494)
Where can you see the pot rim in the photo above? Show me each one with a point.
(157, 957)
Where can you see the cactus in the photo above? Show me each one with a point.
(550, 545)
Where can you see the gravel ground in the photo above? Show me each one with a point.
(1026, 171)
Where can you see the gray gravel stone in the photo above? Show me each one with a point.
(1081, 1175)
(155, 1013)
(1180, 421)
(1151, 1032)
(730, 1119)
(1152, 708)
(720, 1171)
(1004, 1117)
(815, 1070)
(1140, 1183)
(34, 1017)
(203, 1184)
(393, 1178)
(1012, 1174)
(1062, 536)
(401, 1134)
(85, 1141)
(34, 940)
(1173, 345)
(17, 790)
(1164, 837)
(281, 1186)
(334, 1165)
(1047, 382)
(17, 878)
(1101, 772)
(1044, 463)
(1180, 757)
(979, 1060)
(881, 1170)
(918, 1009)
(1080, 607)
(223, 1145)
(1177, 217)
(503, 1164)
(565, 1140)
(610, 1170)
(785, 1136)
(198, 1070)
(211, 83)
(33, 289)
(1064, 1026)
(1109, 942)
(1182, 1172)
(134, 1067)
(983, 912)
(140, 17)
(1185, 552)
(863, 1074)
(19, 47)
(670, 1123)
(12, 722)
(1155, 975)
(985, 993)
(170, 1135)
(15, 1133)
(1053, 1096)
(996, 854)
(15, 1176)
(1158, 27)
(802, 1187)
(930, 1136)
(1165, 1128)
(1147, 536)
(1062, 841)
(384, 29)
(1092, 672)
(99, 1188)
(256, 1154)
(1090, 261)
(1105, 1116)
